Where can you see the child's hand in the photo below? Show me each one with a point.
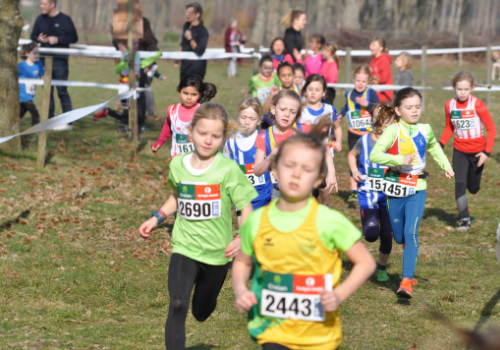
(164, 78)
(308, 122)
(362, 101)
(356, 175)
(482, 158)
(233, 248)
(274, 153)
(449, 173)
(331, 182)
(156, 146)
(245, 300)
(147, 227)
(274, 90)
(338, 146)
(297, 55)
(408, 159)
(329, 300)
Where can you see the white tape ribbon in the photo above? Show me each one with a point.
(399, 87)
(68, 117)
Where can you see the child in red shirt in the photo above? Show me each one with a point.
(279, 54)
(330, 70)
(465, 116)
(380, 66)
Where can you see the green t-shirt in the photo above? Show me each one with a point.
(205, 240)
(262, 88)
(334, 229)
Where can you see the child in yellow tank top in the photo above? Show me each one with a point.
(295, 243)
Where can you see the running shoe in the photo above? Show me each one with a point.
(381, 275)
(406, 288)
(353, 197)
(101, 114)
(463, 226)
(123, 129)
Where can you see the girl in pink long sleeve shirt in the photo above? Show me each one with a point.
(314, 62)
(330, 70)
(192, 91)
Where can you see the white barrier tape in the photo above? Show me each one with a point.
(416, 52)
(76, 84)
(68, 117)
(381, 87)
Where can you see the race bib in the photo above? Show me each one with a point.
(463, 120)
(360, 119)
(183, 144)
(199, 202)
(254, 179)
(375, 179)
(30, 89)
(399, 184)
(263, 94)
(273, 180)
(294, 296)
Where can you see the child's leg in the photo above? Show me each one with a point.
(474, 175)
(324, 196)
(369, 220)
(385, 235)
(35, 117)
(121, 116)
(182, 274)
(352, 139)
(461, 168)
(414, 210)
(208, 285)
(396, 209)
(274, 346)
(22, 110)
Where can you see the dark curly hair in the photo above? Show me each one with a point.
(206, 90)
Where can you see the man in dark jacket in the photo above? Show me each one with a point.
(54, 29)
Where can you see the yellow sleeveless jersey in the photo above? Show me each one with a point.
(291, 269)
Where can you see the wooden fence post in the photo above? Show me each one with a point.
(348, 62)
(423, 74)
(460, 46)
(132, 112)
(488, 75)
(42, 136)
(255, 63)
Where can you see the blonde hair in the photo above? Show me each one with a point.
(382, 43)
(291, 15)
(332, 48)
(216, 111)
(365, 70)
(253, 103)
(291, 95)
(406, 57)
(462, 76)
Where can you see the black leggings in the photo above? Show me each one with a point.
(274, 346)
(352, 139)
(123, 116)
(372, 230)
(183, 274)
(329, 96)
(467, 177)
(30, 106)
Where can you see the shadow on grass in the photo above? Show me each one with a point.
(18, 156)
(496, 157)
(487, 311)
(442, 215)
(10, 223)
(203, 347)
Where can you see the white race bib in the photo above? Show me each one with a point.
(199, 202)
(375, 179)
(183, 144)
(294, 296)
(254, 179)
(360, 119)
(399, 184)
(30, 89)
(263, 94)
(463, 119)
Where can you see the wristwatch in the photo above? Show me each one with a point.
(158, 217)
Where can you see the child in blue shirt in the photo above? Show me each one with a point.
(31, 68)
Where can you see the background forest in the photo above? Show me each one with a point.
(349, 22)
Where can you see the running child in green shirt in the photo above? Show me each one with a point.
(260, 85)
(204, 186)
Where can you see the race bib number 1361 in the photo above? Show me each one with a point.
(199, 202)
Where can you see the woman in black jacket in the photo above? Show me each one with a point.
(294, 21)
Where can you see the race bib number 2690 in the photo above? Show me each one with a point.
(199, 202)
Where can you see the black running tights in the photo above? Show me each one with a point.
(183, 274)
(467, 177)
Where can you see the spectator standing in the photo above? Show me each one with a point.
(294, 21)
(380, 66)
(194, 39)
(233, 40)
(54, 29)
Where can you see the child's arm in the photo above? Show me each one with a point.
(262, 163)
(240, 274)
(437, 153)
(337, 130)
(234, 248)
(352, 159)
(331, 179)
(274, 91)
(448, 128)
(146, 62)
(378, 154)
(247, 91)
(122, 64)
(164, 135)
(485, 116)
(364, 266)
(168, 208)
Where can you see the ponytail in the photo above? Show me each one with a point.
(207, 90)
(381, 114)
(291, 15)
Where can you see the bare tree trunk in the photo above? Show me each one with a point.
(98, 11)
(66, 7)
(493, 20)
(458, 16)
(484, 17)
(322, 15)
(451, 16)
(442, 19)
(375, 16)
(396, 18)
(339, 8)
(350, 18)
(431, 16)
(260, 23)
(10, 32)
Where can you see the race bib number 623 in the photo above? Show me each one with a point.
(199, 202)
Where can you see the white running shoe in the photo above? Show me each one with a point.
(64, 127)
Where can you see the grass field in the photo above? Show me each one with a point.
(76, 275)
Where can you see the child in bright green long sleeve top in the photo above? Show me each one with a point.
(403, 148)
